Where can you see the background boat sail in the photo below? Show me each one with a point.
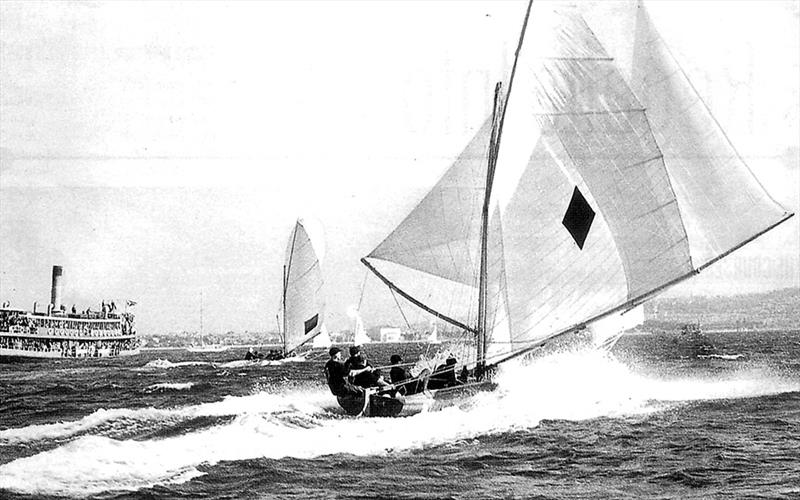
(302, 300)
(600, 180)
(323, 340)
(360, 336)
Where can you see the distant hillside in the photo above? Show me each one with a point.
(779, 309)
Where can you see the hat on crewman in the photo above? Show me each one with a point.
(333, 351)
(395, 359)
(355, 350)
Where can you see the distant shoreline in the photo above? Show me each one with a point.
(227, 347)
(653, 330)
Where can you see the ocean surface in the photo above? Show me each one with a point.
(655, 418)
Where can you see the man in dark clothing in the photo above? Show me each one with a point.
(362, 374)
(275, 355)
(444, 375)
(398, 374)
(336, 373)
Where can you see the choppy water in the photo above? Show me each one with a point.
(651, 420)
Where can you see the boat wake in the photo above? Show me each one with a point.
(728, 357)
(163, 364)
(241, 363)
(170, 386)
(173, 445)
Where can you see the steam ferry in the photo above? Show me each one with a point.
(56, 333)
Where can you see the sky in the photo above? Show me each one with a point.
(160, 150)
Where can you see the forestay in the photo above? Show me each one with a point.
(611, 183)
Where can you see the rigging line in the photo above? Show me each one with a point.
(786, 217)
(578, 58)
(400, 308)
(513, 72)
(363, 286)
(590, 113)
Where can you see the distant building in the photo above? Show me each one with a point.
(391, 335)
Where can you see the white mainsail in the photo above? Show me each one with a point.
(303, 301)
(609, 184)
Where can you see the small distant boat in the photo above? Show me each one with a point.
(302, 316)
(203, 347)
(360, 336)
(692, 342)
(433, 337)
(58, 334)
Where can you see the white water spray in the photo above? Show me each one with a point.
(569, 385)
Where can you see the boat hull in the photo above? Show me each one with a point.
(381, 405)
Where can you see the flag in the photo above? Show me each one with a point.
(131, 303)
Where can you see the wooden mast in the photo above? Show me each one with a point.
(483, 291)
(498, 119)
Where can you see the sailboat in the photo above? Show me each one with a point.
(599, 180)
(203, 347)
(302, 313)
(433, 337)
(360, 336)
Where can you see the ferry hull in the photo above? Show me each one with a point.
(16, 355)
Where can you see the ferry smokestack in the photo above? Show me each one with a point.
(55, 291)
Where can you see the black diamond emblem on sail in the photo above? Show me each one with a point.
(311, 323)
(578, 218)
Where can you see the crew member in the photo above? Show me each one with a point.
(444, 375)
(361, 372)
(398, 374)
(337, 375)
